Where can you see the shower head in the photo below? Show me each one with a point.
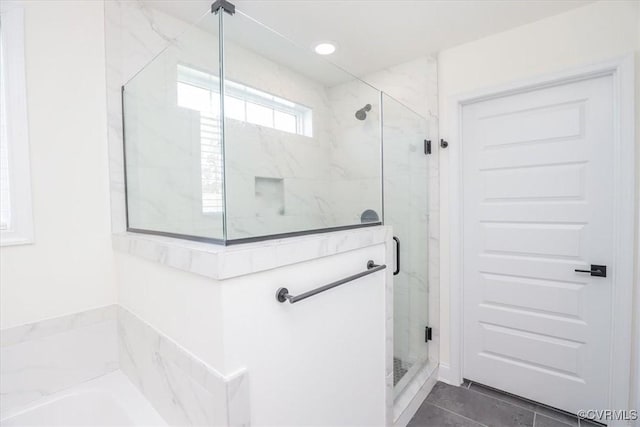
(361, 114)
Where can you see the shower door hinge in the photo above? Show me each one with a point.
(427, 146)
(225, 5)
(427, 334)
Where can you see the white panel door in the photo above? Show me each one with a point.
(538, 176)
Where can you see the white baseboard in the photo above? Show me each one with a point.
(444, 374)
(447, 375)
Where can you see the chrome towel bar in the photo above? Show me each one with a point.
(282, 294)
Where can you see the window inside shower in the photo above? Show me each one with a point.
(200, 91)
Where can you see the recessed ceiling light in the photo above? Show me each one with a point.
(325, 48)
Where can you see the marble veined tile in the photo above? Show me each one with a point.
(182, 388)
(47, 327)
(42, 362)
(220, 262)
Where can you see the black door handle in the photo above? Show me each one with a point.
(397, 270)
(596, 270)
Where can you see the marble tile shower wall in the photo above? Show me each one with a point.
(355, 155)
(164, 155)
(254, 151)
(133, 35)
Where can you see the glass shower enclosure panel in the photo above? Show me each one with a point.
(296, 155)
(233, 134)
(406, 184)
(173, 141)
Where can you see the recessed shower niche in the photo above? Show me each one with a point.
(269, 198)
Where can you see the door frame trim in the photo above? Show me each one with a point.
(622, 71)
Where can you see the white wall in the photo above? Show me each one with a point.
(317, 362)
(184, 306)
(589, 34)
(69, 268)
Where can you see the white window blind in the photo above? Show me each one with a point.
(207, 103)
(211, 163)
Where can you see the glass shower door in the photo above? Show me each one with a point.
(406, 179)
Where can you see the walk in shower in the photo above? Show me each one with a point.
(235, 134)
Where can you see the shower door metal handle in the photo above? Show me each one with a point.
(282, 294)
(397, 270)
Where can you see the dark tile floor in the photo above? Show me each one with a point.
(475, 405)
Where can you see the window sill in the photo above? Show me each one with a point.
(15, 240)
(225, 262)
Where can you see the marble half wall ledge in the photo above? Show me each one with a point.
(225, 262)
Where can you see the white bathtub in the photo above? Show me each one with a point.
(111, 400)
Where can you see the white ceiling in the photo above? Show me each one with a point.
(374, 34)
